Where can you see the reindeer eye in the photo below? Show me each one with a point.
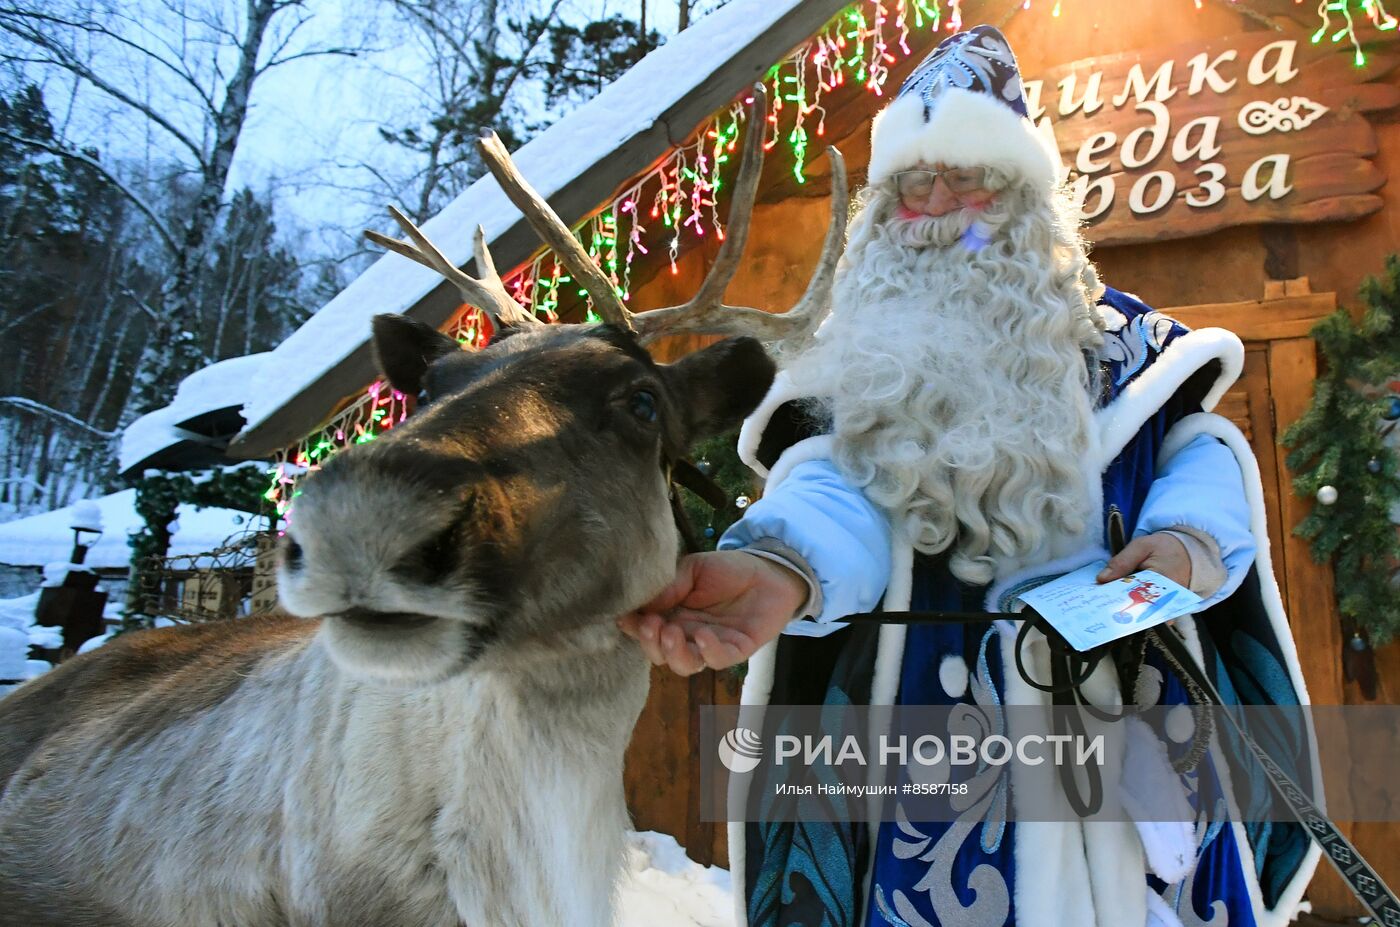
(291, 553)
(643, 406)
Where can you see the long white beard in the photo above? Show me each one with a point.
(959, 393)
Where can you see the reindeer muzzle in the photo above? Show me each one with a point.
(367, 618)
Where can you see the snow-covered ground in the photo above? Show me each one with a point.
(665, 888)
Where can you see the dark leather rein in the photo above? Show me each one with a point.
(1070, 669)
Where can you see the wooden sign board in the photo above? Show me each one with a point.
(204, 593)
(1249, 128)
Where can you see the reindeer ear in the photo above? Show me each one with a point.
(722, 384)
(404, 349)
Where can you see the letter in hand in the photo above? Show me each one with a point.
(721, 607)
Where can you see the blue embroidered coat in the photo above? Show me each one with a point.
(1163, 461)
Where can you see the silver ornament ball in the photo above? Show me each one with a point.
(1327, 495)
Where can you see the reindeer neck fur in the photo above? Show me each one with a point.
(344, 801)
(441, 741)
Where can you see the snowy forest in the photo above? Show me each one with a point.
(184, 181)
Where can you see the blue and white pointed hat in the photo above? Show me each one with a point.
(964, 107)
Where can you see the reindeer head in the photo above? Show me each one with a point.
(529, 497)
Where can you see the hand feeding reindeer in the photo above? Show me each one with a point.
(437, 739)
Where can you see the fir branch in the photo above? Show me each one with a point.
(1338, 442)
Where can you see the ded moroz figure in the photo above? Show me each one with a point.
(970, 416)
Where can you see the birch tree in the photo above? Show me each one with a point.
(185, 72)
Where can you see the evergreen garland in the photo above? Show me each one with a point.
(158, 499)
(1338, 448)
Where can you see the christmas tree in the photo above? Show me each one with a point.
(1344, 455)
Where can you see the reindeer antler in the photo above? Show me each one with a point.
(552, 230)
(705, 313)
(487, 292)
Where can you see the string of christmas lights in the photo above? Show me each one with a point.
(1374, 10)
(377, 411)
(677, 198)
(680, 196)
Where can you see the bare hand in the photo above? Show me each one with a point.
(1158, 552)
(721, 607)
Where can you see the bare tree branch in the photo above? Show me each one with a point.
(311, 53)
(62, 57)
(432, 25)
(165, 235)
(540, 26)
(25, 316)
(140, 303)
(30, 405)
(29, 481)
(176, 67)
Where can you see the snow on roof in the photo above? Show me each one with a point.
(627, 106)
(41, 539)
(218, 386)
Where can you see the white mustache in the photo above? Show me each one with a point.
(932, 231)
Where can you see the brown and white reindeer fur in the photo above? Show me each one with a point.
(438, 740)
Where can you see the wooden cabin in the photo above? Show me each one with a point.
(1231, 157)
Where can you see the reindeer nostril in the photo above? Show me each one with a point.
(438, 557)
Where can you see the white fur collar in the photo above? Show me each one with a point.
(1117, 422)
(1115, 425)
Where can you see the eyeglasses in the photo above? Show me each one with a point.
(919, 184)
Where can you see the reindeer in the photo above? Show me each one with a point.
(434, 735)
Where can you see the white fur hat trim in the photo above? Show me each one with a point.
(965, 129)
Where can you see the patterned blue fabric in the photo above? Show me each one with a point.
(813, 864)
(933, 872)
(1130, 347)
(979, 60)
(963, 873)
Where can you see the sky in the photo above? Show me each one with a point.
(313, 123)
(314, 119)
